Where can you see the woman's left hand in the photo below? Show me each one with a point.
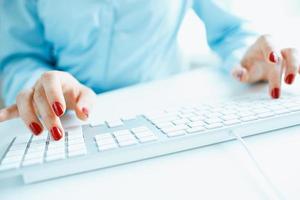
(263, 62)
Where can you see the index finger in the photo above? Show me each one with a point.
(9, 113)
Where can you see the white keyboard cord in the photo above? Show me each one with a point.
(270, 187)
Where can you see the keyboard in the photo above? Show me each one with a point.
(111, 142)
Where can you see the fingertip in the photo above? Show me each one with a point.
(58, 108)
(85, 111)
(82, 112)
(240, 74)
(273, 57)
(275, 93)
(36, 128)
(57, 133)
(289, 79)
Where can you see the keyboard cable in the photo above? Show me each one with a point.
(270, 187)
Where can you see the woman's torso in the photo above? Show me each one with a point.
(108, 44)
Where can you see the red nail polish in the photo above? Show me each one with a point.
(35, 128)
(56, 133)
(273, 57)
(275, 93)
(58, 109)
(290, 78)
(85, 111)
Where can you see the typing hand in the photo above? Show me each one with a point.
(263, 62)
(51, 95)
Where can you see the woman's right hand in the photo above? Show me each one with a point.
(48, 100)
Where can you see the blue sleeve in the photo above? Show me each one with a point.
(227, 35)
(24, 54)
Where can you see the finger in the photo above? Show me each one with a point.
(268, 49)
(291, 62)
(9, 113)
(274, 78)
(85, 103)
(240, 74)
(52, 122)
(253, 74)
(54, 93)
(27, 113)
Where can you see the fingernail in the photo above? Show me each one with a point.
(240, 75)
(56, 133)
(275, 93)
(35, 128)
(58, 109)
(290, 78)
(85, 111)
(273, 57)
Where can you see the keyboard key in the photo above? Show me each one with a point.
(176, 133)
(213, 126)
(196, 124)
(125, 138)
(175, 128)
(139, 129)
(97, 122)
(124, 143)
(19, 152)
(114, 123)
(23, 139)
(78, 152)
(144, 134)
(229, 117)
(148, 139)
(249, 118)
(54, 157)
(164, 125)
(33, 161)
(57, 151)
(107, 146)
(232, 122)
(196, 129)
(43, 136)
(128, 117)
(9, 160)
(76, 147)
(76, 141)
(9, 166)
(180, 121)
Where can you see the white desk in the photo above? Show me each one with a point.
(221, 171)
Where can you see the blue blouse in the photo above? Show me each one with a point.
(105, 44)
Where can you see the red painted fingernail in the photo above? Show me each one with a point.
(275, 93)
(273, 57)
(35, 128)
(58, 109)
(56, 133)
(85, 111)
(290, 78)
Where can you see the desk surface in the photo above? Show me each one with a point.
(221, 171)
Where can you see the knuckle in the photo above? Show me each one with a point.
(23, 95)
(265, 38)
(48, 75)
(37, 95)
(49, 117)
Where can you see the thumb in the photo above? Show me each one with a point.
(240, 74)
(85, 103)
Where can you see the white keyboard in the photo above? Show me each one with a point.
(106, 143)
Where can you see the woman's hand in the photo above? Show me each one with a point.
(51, 95)
(263, 62)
